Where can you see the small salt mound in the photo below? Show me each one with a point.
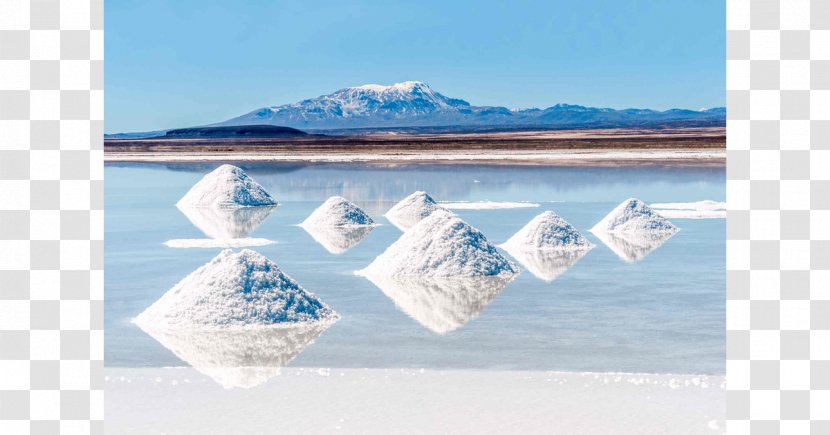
(548, 231)
(337, 212)
(634, 216)
(226, 186)
(235, 290)
(410, 210)
(441, 245)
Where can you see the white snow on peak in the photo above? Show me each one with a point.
(441, 245)
(410, 210)
(226, 186)
(548, 231)
(406, 86)
(337, 212)
(235, 290)
(634, 216)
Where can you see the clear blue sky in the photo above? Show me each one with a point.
(178, 63)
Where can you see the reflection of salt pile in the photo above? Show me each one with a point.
(227, 227)
(410, 210)
(440, 304)
(338, 240)
(239, 358)
(547, 246)
(633, 230)
(232, 290)
(338, 225)
(226, 186)
(441, 245)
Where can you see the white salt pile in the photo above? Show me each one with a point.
(235, 290)
(239, 358)
(547, 246)
(548, 231)
(226, 186)
(410, 210)
(441, 245)
(440, 304)
(634, 216)
(337, 212)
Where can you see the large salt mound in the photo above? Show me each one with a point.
(441, 245)
(548, 231)
(634, 216)
(410, 210)
(235, 290)
(239, 358)
(337, 212)
(226, 186)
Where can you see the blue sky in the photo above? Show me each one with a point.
(187, 62)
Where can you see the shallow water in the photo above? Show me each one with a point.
(658, 312)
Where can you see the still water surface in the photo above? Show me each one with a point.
(661, 314)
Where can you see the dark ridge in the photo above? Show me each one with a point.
(259, 131)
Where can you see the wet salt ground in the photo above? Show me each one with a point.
(662, 314)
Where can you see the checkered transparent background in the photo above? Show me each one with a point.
(51, 216)
(778, 227)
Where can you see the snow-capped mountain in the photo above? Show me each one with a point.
(414, 104)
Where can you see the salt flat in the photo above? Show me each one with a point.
(403, 401)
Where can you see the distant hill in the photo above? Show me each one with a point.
(414, 104)
(259, 131)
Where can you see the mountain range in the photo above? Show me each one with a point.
(415, 106)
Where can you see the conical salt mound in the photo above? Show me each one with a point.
(226, 186)
(633, 216)
(235, 290)
(337, 212)
(548, 231)
(441, 245)
(410, 210)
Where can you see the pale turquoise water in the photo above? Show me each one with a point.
(664, 313)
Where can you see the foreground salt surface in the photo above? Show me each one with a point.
(381, 401)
